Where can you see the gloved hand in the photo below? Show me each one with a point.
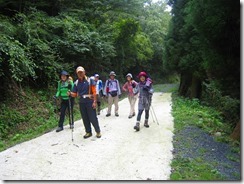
(69, 86)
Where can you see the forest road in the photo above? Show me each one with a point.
(120, 154)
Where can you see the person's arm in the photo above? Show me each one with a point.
(118, 86)
(58, 90)
(105, 88)
(74, 91)
(125, 87)
(94, 93)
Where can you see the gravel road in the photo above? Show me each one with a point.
(121, 153)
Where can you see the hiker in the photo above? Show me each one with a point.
(85, 87)
(64, 85)
(112, 91)
(130, 87)
(145, 95)
(99, 89)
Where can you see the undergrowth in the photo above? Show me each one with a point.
(190, 112)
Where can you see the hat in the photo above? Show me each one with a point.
(129, 75)
(80, 69)
(96, 75)
(112, 73)
(64, 73)
(142, 74)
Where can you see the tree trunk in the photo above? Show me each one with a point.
(236, 132)
(185, 83)
(196, 87)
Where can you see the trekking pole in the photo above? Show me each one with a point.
(71, 118)
(152, 112)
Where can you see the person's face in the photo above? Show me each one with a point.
(63, 77)
(142, 78)
(81, 74)
(129, 78)
(96, 78)
(112, 77)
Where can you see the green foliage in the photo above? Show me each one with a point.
(203, 45)
(229, 107)
(15, 60)
(192, 112)
(188, 112)
(189, 169)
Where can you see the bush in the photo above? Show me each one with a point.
(228, 107)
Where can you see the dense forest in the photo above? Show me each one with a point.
(197, 40)
(203, 46)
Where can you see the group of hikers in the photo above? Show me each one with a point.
(90, 90)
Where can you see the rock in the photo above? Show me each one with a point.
(217, 134)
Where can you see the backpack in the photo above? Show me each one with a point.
(90, 82)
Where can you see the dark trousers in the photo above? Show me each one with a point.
(89, 117)
(140, 113)
(64, 106)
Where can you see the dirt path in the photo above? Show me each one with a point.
(121, 153)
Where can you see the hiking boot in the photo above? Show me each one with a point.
(59, 129)
(87, 135)
(116, 114)
(130, 116)
(137, 126)
(99, 135)
(107, 115)
(146, 124)
(133, 114)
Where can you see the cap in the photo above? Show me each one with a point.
(129, 75)
(112, 73)
(80, 69)
(64, 73)
(96, 75)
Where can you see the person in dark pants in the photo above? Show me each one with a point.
(64, 85)
(85, 88)
(145, 96)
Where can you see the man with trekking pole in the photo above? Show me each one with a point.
(85, 88)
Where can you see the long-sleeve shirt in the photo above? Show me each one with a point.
(63, 88)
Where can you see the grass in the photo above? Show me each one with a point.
(193, 169)
(187, 112)
(31, 114)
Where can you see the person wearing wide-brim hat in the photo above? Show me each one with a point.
(64, 85)
(131, 88)
(85, 88)
(112, 91)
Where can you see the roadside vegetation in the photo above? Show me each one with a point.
(192, 113)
